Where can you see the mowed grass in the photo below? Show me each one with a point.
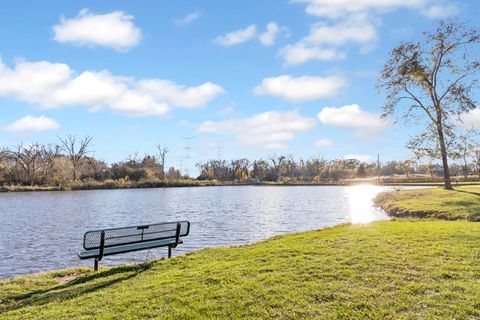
(391, 269)
(463, 203)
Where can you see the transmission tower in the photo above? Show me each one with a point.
(186, 147)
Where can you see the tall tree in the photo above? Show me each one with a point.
(162, 156)
(432, 81)
(75, 150)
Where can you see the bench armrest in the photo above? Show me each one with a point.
(102, 245)
(177, 235)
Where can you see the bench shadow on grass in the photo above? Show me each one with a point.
(77, 287)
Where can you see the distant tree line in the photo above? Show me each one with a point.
(71, 162)
(284, 168)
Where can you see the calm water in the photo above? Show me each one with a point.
(43, 230)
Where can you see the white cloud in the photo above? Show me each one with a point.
(471, 119)
(237, 37)
(302, 88)
(55, 85)
(352, 22)
(174, 94)
(189, 18)
(324, 42)
(440, 11)
(299, 53)
(115, 30)
(352, 116)
(268, 37)
(360, 157)
(323, 143)
(339, 8)
(268, 130)
(354, 29)
(32, 124)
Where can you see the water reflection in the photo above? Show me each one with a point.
(360, 199)
(41, 231)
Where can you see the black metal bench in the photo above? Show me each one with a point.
(106, 242)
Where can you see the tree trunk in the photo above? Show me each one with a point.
(443, 151)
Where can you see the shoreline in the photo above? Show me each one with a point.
(195, 183)
(460, 204)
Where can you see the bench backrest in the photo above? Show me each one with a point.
(134, 234)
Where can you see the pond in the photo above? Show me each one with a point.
(41, 231)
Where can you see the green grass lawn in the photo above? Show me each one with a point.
(463, 203)
(391, 269)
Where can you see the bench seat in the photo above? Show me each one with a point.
(93, 253)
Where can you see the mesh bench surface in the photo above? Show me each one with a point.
(107, 242)
(127, 248)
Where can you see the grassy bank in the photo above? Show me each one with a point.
(394, 269)
(463, 203)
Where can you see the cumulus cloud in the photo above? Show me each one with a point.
(299, 53)
(352, 116)
(268, 37)
(32, 124)
(339, 8)
(354, 29)
(347, 22)
(326, 40)
(174, 94)
(115, 30)
(268, 130)
(56, 85)
(237, 37)
(471, 119)
(323, 143)
(441, 11)
(189, 18)
(336, 9)
(302, 88)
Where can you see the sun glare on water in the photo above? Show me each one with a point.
(361, 203)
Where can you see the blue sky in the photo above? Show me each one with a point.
(254, 77)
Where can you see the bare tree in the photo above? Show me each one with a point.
(465, 149)
(133, 159)
(476, 159)
(26, 158)
(432, 81)
(76, 151)
(162, 156)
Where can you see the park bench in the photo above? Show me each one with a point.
(106, 242)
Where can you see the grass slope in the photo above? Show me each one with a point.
(393, 269)
(463, 203)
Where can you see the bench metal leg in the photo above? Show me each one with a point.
(169, 251)
(95, 266)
